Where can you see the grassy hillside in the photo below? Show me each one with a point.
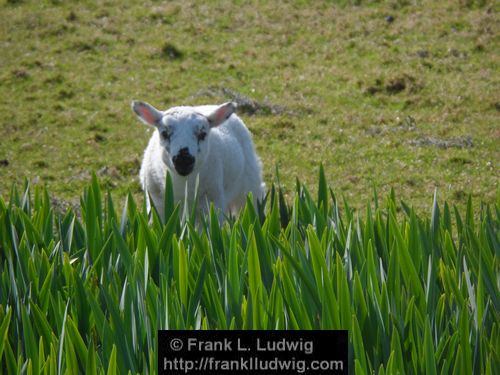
(401, 94)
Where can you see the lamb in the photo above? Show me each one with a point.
(209, 143)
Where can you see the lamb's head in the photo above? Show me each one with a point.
(183, 133)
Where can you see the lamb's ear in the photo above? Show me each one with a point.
(221, 114)
(147, 113)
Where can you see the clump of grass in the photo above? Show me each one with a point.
(417, 294)
(171, 52)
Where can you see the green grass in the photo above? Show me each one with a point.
(418, 293)
(358, 91)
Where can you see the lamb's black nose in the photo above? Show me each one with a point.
(183, 162)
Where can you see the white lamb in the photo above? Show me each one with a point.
(207, 142)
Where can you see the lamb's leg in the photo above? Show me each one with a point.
(259, 193)
(158, 204)
(154, 187)
(220, 207)
(237, 204)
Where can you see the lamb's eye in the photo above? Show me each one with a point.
(201, 135)
(165, 134)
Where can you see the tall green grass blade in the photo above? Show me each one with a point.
(291, 302)
(10, 360)
(90, 363)
(41, 354)
(62, 339)
(4, 327)
(398, 361)
(358, 347)
(407, 266)
(112, 367)
(181, 269)
(168, 198)
(70, 356)
(195, 298)
(322, 191)
(30, 342)
(121, 245)
(42, 325)
(343, 295)
(255, 280)
(429, 359)
(77, 341)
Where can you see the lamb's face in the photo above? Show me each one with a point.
(183, 133)
(184, 140)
